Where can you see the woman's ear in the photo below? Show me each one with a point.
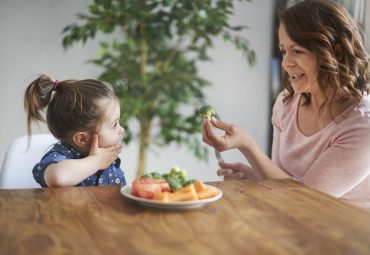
(338, 52)
(81, 139)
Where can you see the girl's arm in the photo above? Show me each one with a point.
(70, 172)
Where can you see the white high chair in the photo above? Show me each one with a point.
(16, 171)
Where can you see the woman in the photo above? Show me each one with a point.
(321, 120)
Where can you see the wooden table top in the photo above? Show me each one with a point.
(269, 217)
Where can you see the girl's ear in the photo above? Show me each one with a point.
(81, 139)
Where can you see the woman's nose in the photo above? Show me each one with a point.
(288, 61)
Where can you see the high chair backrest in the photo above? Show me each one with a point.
(16, 171)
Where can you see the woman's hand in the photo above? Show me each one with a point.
(104, 156)
(237, 171)
(234, 137)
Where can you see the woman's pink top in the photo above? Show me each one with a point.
(335, 160)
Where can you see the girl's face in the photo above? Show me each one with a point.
(111, 132)
(300, 64)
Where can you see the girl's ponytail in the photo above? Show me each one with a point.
(36, 98)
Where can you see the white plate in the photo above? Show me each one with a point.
(126, 191)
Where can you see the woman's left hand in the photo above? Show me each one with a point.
(237, 171)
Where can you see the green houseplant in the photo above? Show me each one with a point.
(151, 62)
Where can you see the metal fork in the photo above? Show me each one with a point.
(218, 156)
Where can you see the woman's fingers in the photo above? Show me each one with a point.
(235, 166)
(236, 176)
(207, 132)
(231, 171)
(230, 174)
(211, 137)
(227, 127)
(224, 172)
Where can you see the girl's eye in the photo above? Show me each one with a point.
(283, 52)
(297, 52)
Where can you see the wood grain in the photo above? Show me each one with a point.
(269, 217)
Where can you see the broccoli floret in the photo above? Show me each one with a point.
(153, 175)
(176, 178)
(174, 184)
(206, 111)
(188, 182)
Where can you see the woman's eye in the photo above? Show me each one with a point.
(297, 52)
(283, 52)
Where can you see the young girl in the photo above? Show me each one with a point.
(84, 116)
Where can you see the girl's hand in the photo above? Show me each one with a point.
(237, 171)
(104, 156)
(234, 137)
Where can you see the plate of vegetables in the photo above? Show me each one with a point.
(172, 190)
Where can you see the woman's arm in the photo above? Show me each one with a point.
(236, 137)
(343, 165)
(261, 162)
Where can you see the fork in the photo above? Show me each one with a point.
(218, 156)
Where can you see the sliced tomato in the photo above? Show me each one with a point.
(146, 187)
(165, 187)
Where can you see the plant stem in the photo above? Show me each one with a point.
(145, 127)
(144, 51)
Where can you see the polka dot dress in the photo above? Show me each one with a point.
(113, 175)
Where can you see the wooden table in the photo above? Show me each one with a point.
(269, 217)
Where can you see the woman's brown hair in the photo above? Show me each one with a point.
(72, 105)
(329, 31)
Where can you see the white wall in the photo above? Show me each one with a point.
(367, 23)
(30, 44)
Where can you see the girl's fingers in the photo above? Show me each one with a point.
(94, 144)
(119, 148)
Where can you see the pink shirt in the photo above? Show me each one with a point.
(335, 160)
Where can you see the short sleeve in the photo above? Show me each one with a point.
(345, 164)
(276, 121)
(277, 112)
(39, 169)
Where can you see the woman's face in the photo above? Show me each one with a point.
(111, 132)
(300, 64)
